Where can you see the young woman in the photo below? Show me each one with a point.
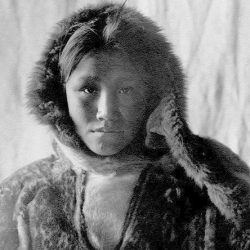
(127, 171)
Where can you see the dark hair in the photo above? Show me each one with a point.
(83, 41)
(106, 27)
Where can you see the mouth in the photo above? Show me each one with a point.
(107, 131)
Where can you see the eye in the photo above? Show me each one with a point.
(89, 90)
(125, 90)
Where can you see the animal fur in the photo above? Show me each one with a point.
(209, 163)
(191, 192)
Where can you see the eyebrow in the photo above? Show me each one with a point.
(89, 79)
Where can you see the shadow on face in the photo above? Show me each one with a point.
(107, 101)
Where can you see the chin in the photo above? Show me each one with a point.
(106, 149)
(107, 145)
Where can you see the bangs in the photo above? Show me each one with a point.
(90, 37)
(81, 43)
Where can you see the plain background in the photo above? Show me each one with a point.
(211, 37)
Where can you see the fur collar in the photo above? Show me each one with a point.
(118, 165)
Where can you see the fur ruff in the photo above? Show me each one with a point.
(135, 34)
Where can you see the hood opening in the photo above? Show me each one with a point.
(114, 25)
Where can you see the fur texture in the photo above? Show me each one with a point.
(192, 192)
(209, 163)
(135, 34)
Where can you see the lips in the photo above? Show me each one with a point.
(106, 130)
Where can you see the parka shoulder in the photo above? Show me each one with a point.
(18, 191)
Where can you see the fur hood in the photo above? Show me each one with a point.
(135, 34)
(211, 165)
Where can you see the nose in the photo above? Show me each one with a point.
(107, 107)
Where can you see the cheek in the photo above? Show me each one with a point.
(81, 111)
(134, 115)
(88, 109)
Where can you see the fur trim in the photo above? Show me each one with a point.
(135, 34)
(209, 163)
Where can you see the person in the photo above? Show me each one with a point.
(127, 172)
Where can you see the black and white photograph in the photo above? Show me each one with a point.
(125, 125)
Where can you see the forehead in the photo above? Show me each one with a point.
(113, 61)
(107, 66)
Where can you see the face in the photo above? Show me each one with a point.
(106, 101)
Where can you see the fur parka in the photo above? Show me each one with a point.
(195, 194)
